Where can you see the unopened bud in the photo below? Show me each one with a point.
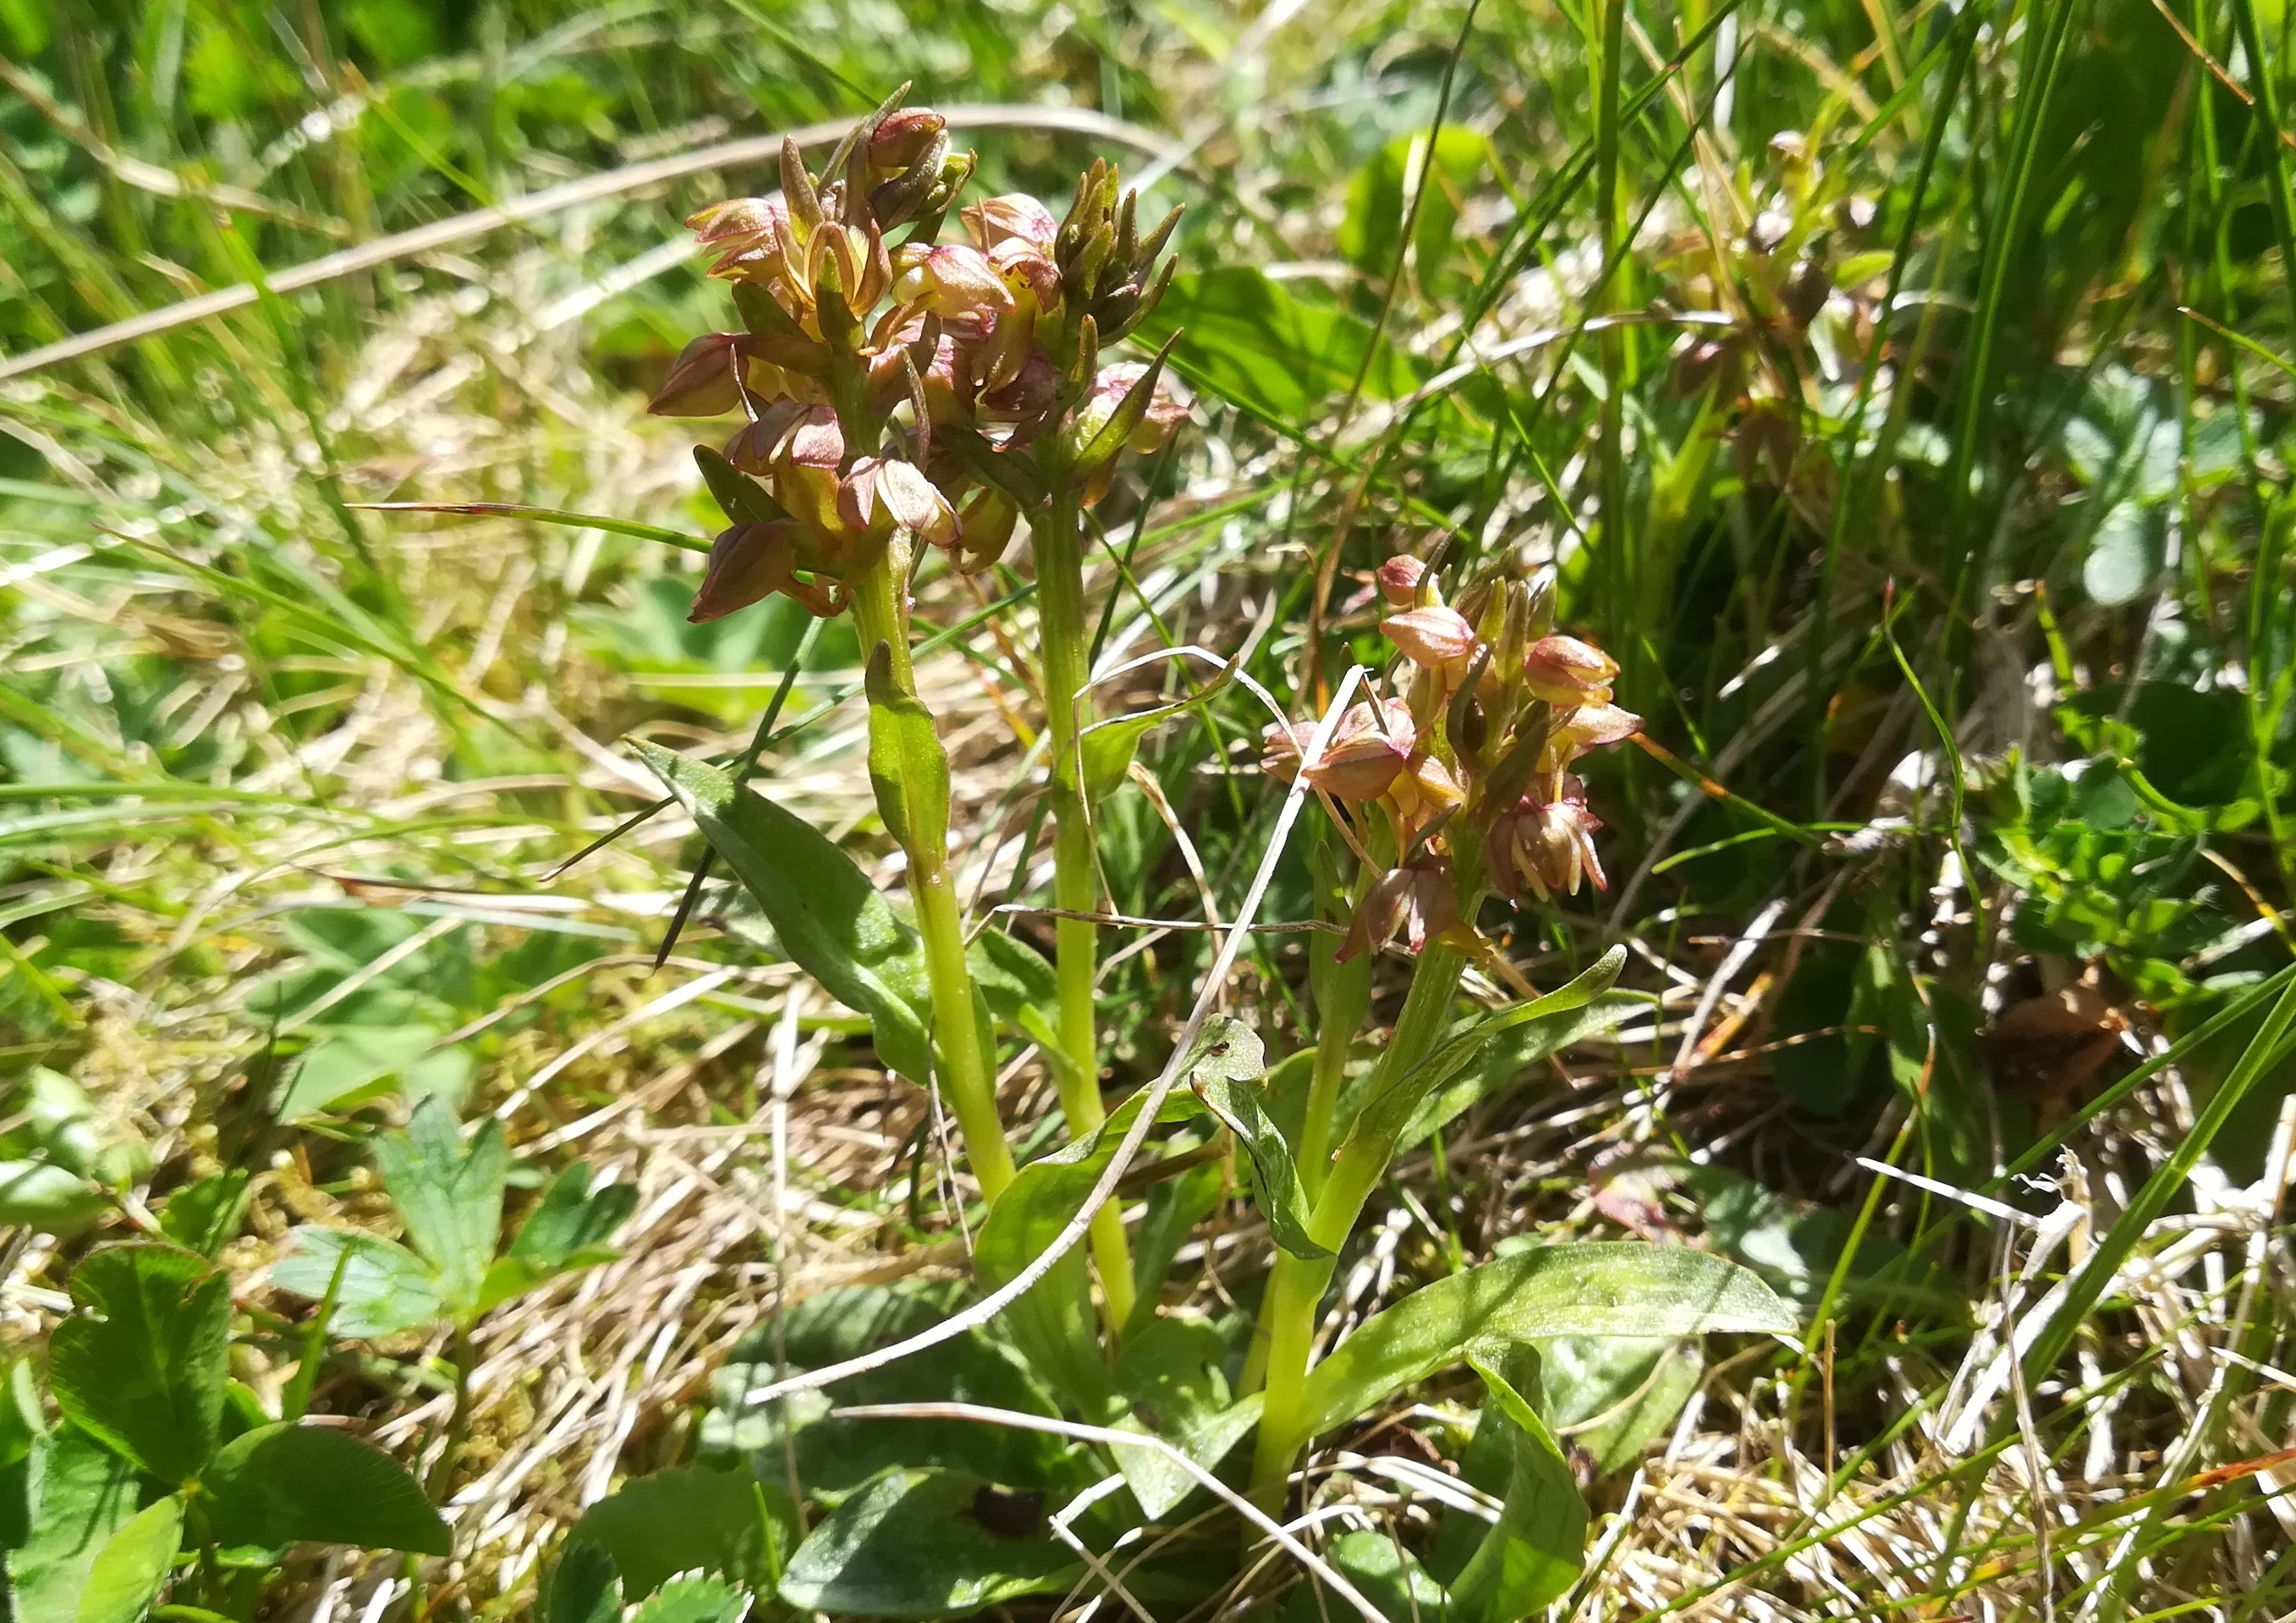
(748, 564)
(1431, 638)
(1564, 671)
(1399, 580)
(903, 137)
(1367, 749)
(1014, 217)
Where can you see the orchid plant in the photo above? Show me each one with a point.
(902, 397)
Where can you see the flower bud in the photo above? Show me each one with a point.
(903, 137)
(1129, 407)
(1399, 580)
(1545, 847)
(1367, 749)
(1424, 788)
(1432, 637)
(703, 381)
(1014, 217)
(986, 528)
(1565, 671)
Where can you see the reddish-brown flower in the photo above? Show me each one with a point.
(1546, 847)
(1565, 671)
(1367, 749)
(1414, 900)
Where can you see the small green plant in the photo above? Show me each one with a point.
(919, 400)
(161, 1472)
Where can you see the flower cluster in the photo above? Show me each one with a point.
(934, 390)
(1465, 784)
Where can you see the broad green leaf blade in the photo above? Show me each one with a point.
(1538, 1549)
(695, 1600)
(1175, 1206)
(1171, 1380)
(1601, 1288)
(205, 1217)
(386, 1287)
(830, 918)
(572, 1218)
(449, 1196)
(1275, 1179)
(1012, 976)
(288, 1484)
(724, 1523)
(129, 1571)
(1380, 195)
(907, 767)
(927, 1543)
(141, 1366)
(582, 1587)
(80, 1494)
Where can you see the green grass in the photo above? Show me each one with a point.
(1947, 448)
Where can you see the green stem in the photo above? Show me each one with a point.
(968, 1080)
(1296, 1286)
(458, 1422)
(1076, 881)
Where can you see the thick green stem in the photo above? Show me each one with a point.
(1296, 1286)
(968, 1079)
(1075, 885)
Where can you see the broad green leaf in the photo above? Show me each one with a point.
(53, 1199)
(1011, 975)
(1603, 1288)
(927, 1543)
(1616, 1394)
(386, 1287)
(141, 1365)
(1509, 1056)
(907, 767)
(1795, 1246)
(693, 1600)
(1255, 342)
(289, 1484)
(1384, 1572)
(450, 1195)
(129, 1571)
(691, 1519)
(830, 918)
(1389, 1112)
(81, 1494)
(1169, 1379)
(582, 1587)
(1275, 1179)
(572, 1218)
(1535, 1552)
(23, 1426)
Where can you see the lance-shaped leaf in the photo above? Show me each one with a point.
(742, 497)
(1535, 1552)
(1603, 1288)
(907, 767)
(1509, 1055)
(1384, 1118)
(1108, 747)
(1171, 1381)
(141, 1366)
(1054, 1322)
(828, 916)
(1234, 1100)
